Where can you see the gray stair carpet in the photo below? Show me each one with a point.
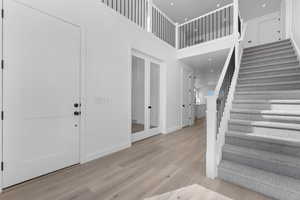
(262, 144)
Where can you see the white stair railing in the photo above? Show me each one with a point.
(219, 104)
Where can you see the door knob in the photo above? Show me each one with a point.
(77, 113)
(149, 107)
(76, 105)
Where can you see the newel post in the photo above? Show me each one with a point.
(211, 129)
(177, 35)
(149, 16)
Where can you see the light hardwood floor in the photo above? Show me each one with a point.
(151, 167)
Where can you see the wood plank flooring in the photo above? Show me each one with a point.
(151, 167)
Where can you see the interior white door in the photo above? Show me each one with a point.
(145, 93)
(41, 85)
(269, 30)
(185, 98)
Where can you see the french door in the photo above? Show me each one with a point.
(145, 103)
(187, 98)
(41, 93)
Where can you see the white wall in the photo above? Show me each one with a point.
(252, 33)
(107, 40)
(296, 22)
(283, 18)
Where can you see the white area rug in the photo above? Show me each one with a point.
(193, 192)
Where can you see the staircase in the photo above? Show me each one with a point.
(262, 145)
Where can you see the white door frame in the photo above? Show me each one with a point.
(148, 132)
(82, 90)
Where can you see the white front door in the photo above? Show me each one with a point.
(269, 30)
(40, 92)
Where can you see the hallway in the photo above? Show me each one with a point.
(151, 167)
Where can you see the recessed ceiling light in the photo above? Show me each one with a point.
(264, 5)
(185, 19)
(172, 3)
(218, 5)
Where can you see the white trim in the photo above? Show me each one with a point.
(211, 121)
(82, 96)
(206, 47)
(172, 129)
(297, 48)
(144, 135)
(106, 152)
(209, 13)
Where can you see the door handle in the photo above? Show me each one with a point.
(183, 106)
(77, 105)
(149, 107)
(77, 113)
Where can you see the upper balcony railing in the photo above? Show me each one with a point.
(135, 10)
(145, 14)
(163, 27)
(211, 26)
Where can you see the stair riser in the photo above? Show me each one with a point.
(267, 55)
(267, 106)
(267, 165)
(264, 146)
(256, 59)
(269, 118)
(270, 80)
(277, 66)
(268, 51)
(294, 86)
(268, 47)
(267, 190)
(269, 73)
(266, 62)
(264, 131)
(291, 96)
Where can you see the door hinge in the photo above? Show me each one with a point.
(2, 13)
(2, 64)
(2, 115)
(2, 166)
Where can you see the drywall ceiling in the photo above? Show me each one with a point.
(179, 10)
(256, 8)
(208, 67)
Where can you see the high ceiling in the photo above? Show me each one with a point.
(181, 10)
(258, 8)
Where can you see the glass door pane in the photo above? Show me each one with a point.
(154, 95)
(138, 95)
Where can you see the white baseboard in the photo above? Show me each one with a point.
(106, 152)
(297, 48)
(172, 129)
